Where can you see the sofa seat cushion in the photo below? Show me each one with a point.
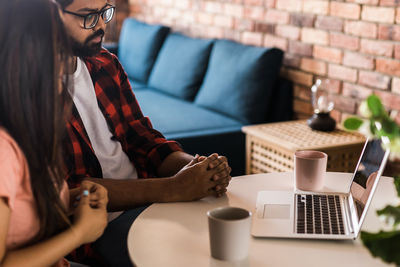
(240, 80)
(176, 118)
(180, 66)
(139, 44)
(136, 85)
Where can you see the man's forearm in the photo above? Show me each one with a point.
(173, 163)
(131, 193)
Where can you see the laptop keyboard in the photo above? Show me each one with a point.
(319, 214)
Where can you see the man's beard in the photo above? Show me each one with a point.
(86, 49)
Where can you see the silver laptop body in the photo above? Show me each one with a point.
(311, 215)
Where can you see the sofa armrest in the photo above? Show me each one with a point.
(282, 106)
(112, 47)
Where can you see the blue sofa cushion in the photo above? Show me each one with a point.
(139, 44)
(177, 118)
(181, 65)
(240, 80)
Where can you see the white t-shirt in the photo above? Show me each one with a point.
(114, 162)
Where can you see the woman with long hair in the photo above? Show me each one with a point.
(35, 205)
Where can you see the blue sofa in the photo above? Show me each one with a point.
(200, 92)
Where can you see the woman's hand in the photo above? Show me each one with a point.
(90, 216)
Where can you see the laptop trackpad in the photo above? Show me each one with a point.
(276, 211)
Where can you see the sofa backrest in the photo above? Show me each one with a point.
(139, 44)
(180, 66)
(240, 80)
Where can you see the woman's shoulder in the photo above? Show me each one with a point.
(8, 146)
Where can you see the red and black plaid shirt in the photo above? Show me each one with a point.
(146, 148)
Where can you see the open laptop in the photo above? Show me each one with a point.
(319, 215)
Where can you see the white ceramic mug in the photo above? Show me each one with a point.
(229, 232)
(310, 170)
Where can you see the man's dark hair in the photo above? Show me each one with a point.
(65, 3)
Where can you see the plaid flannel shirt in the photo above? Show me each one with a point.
(146, 148)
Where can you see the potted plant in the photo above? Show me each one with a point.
(376, 123)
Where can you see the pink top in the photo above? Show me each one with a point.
(15, 187)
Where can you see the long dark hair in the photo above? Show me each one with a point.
(33, 53)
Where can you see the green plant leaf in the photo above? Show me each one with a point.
(352, 123)
(397, 184)
(385, 245)
(375, 106)
(391, 213)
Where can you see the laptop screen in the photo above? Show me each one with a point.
(366, 173)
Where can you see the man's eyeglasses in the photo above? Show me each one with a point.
(90, 20)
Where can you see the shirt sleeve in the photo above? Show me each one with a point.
(144, 142)
(10, 170)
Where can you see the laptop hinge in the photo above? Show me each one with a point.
(348, 215)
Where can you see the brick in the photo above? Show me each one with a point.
(287, 31)
(333, 55)
(252, 38)
(300, 48)
(374, 79)
(254, 2)
(313, 66)
(274, 41)
(396, 86)
(234, 10)
(214, 32)
(276, 16)
(316, 7)
(397, 51)
(356, 91)
(223, 21)
(389, 100)
(302, 107)
(361, 28)
(243, 24)
(159, 11)
(358, 60)
(254, 12)
(342, 73)
(367, 2)
(388, 66)
(205, 18)
(302, 92)
(232, 34)
(264, 27)
(331, 85)
(389, 32)
(183, 4)
(344, 41)
(300, 77)
(270, 3)
(289, 5)
(313, 36)
(378, 14)
(379, 48)
(336, 115)
(291, 60)
(211, 7)
(389, 2)
(302, 20)
(345, 104)
(345, 10)
(329, 23)
(398, 15)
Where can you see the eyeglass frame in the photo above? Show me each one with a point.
(98, 13)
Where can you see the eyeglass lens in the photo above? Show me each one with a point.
(92, 19)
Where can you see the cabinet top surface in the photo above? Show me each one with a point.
(297, 135)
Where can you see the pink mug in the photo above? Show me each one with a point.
(310, 170)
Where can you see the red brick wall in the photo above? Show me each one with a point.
(353, 45)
